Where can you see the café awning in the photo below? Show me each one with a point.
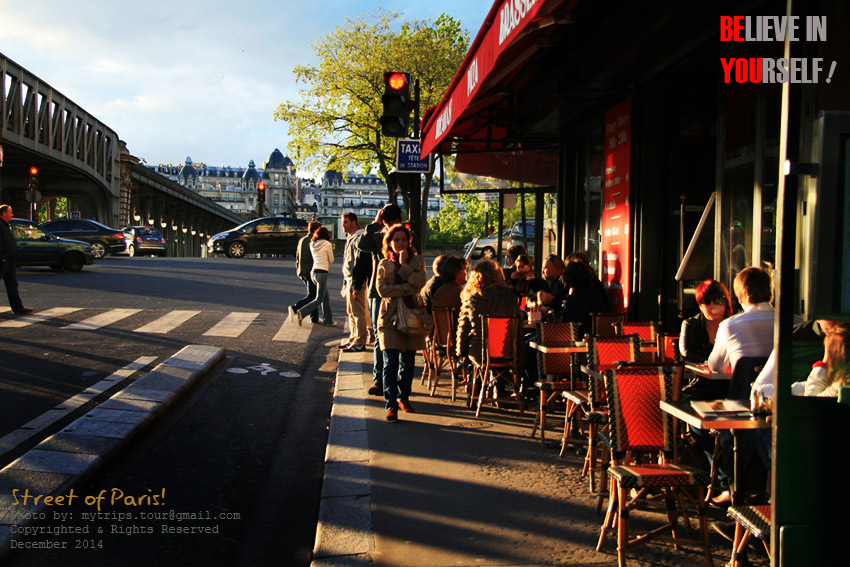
(474, 107)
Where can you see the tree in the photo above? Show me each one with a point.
(337, 120)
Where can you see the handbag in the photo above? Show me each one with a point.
(412, 321)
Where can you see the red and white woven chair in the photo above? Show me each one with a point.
(638, 425)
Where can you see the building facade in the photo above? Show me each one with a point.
(235, 188)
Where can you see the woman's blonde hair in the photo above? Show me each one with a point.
(486, 276)
(836, 343)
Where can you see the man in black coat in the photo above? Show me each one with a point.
(8, 249)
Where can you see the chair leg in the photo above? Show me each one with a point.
(590, 457)
(603, 481)
(610, 514)
(622, 525)
(540, 418)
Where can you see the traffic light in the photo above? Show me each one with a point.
(397, 105)
(33, 178)
(261, 192)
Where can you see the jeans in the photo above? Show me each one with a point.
(311, 293)
(398, 376)
(378, 361)
(10, 278)
(320, 278)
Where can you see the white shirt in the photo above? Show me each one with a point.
(747, 334)
(323, 254)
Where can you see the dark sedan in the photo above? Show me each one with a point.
(39, 248)
(103, 240)
(144, 240)
(271, 235)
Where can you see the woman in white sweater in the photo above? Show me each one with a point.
(323, 257)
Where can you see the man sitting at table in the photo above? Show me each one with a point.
(748, 334)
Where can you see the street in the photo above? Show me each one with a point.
(238, 461)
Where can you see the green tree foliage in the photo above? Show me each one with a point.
(336, 122)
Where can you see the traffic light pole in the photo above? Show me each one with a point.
(414, 180)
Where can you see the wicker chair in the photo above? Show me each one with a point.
(499, 357)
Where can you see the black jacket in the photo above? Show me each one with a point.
(694, 343)
(372, 241)
(8, 247)
(303, 258)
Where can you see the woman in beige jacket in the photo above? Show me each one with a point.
(401, 275)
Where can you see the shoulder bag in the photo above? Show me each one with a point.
(411, 317)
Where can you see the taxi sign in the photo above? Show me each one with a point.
(407, 157)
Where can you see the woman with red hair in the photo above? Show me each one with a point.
(698, 332)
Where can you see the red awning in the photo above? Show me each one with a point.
(505, 41)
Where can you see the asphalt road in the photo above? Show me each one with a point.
(243, 452)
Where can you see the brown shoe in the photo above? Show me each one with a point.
(392, 415)
(406, 406)
(23, 311)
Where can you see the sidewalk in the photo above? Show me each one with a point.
(441, 488)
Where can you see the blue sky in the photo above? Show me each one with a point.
(198, 78)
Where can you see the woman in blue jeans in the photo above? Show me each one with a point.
(323, 257)
(401, 275)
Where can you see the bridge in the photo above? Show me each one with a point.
(83, 160)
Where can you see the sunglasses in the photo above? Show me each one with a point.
(719, 300)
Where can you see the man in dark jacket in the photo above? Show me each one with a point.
(8, 249)
(372, 242)
(303, 266)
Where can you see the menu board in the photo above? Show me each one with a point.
(614, 242)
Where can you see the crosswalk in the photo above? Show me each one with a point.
(229, 325)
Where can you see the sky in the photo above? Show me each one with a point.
(189, 78)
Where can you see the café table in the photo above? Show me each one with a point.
(684, 411)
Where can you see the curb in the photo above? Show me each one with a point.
(344, 531)
(59, 463)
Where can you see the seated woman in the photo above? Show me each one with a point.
(833, 372)
(453, 274)
(486, 293)
(699, 332)
(581, 298)
(522, 279)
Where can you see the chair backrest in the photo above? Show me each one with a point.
(634, 414)
(744, 373)
(445, 326)
(606, 351)
(647, 330)
(607, 323)
(668, 348)
(557, 332)
(500, 336)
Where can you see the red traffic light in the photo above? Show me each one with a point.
(33, 170)
(261, 186)
(397, 81)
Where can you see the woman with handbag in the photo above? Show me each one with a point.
(401, 329)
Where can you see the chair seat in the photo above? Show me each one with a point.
(597, 417)
(579, 397)
(553, 386)
(755, 519)
(639, 476)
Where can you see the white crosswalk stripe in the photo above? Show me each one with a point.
(39, 317)
(98, 321)
(290, 331)
(233, 325)
(167, 322)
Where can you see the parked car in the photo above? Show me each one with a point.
(486, 247)
(103, 240)
(37, 247)
(269, 235)
(143, 240)
(550, 244)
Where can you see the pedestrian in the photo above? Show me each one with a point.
(323, 257)
(8, 249)
(401, 276)
(303, 267)
(372, 242)
(356, 269)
